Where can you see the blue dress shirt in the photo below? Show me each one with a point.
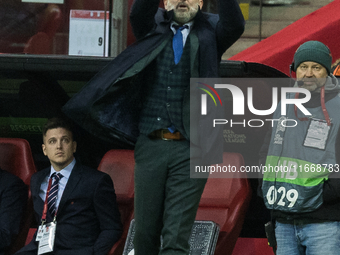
(66, 172)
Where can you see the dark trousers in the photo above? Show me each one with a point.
(166, 198)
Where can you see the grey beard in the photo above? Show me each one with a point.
(185, 17)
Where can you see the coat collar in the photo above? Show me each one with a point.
(73, 181)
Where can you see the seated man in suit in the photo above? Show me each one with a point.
(80, 201)
(13, 199)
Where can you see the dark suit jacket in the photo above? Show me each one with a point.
(88, 220)
(13, 200)
(109, 105)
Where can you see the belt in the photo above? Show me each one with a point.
(300, 221)
(165, 134)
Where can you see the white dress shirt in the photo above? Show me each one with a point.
(185, 32)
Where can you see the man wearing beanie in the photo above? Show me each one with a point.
(304, 196)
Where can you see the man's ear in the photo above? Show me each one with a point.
(200, 3)
(44, 149)
(165, 3)
(74, 144)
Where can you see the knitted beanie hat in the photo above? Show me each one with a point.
(314, 51)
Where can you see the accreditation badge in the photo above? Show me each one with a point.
(317, 134)
(40, 233)
(46, 239)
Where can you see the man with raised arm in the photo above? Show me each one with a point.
(142, 98)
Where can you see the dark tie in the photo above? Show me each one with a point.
(177, 43)
(53, 194)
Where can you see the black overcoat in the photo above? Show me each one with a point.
(109, 105)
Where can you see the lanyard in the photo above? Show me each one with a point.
(324, 110)
(323, 106)
(43, 217)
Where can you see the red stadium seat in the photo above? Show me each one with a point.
(252, 246)
(30, 235)
(42, 41)
(225, 201)
(119, 164)
(336, 71)
(16, 158)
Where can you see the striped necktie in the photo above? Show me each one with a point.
(53, 193)
(177, 43)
